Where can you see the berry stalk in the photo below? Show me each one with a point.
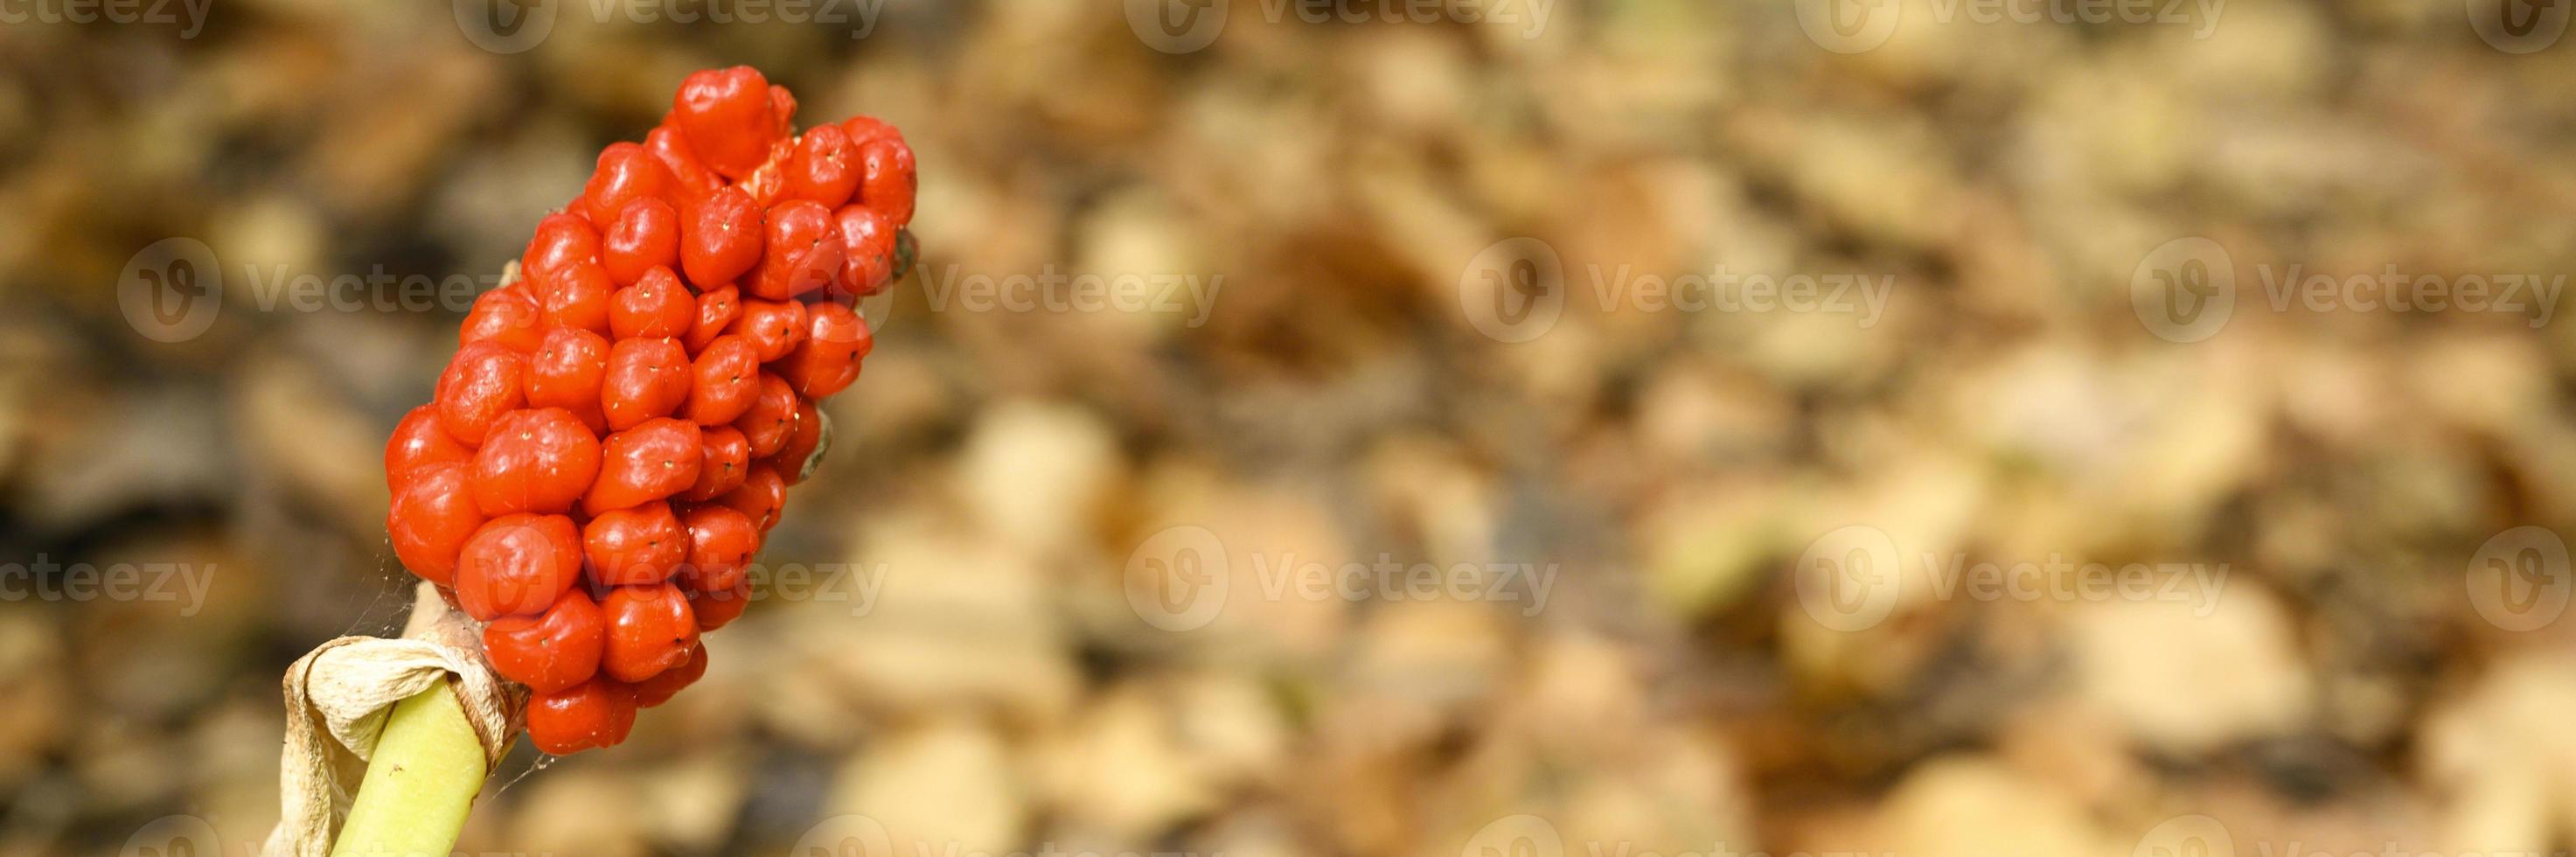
(420, 783)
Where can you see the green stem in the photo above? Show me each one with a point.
(427, 767)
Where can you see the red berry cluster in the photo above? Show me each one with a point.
(618, 428)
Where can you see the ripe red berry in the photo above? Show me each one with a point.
(574, 294)
(762, 496)
(717, 309)
(508, 316)
(721, 542)
(567, 371)
(720, 237)
(727, 117)
(863, 129)
(724, 379)
(480, 384)
(648, 462)
(803, 252)
(690, 178)
(660, 688)
(716, 609)
(625, 173)
(635, 547)
(650, 629)
(645, 236)
(721, 469)
(867, 242)
(647, 379)
(836, 339)
(795, 462)
(825, 167)
(431, 519)
(887, 181)
(595, 713)
(538, 460)
(552, 651)
(419, 441)
(517, 565)
(772, 327)
(562, 238)
(655, 307)
(772, 417)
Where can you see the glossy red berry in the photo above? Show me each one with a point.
(431, 519)
(517, 565)
(868, 243)
(647, 379)
(574, 294)
(722, 467)
(660, 688)
(836, 339)
(655, 307)
(721, 542)
(727, 117)
(646, 236)
(772, 417)
(562, 238)
(483, 382)
(650, 629)
(717, 309)
(567, 371)
(720, 237)
(795, 462)
(824, 168)
(771, 327)
(508, 316)
(640, 546)
(762, 496)
(724, 379)
(625, 173)
(419, 441)
(593, 714)
(648, 462)
(803, 252)
(552, 651)
(887, 182)
(538, 460)
(691, 180)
